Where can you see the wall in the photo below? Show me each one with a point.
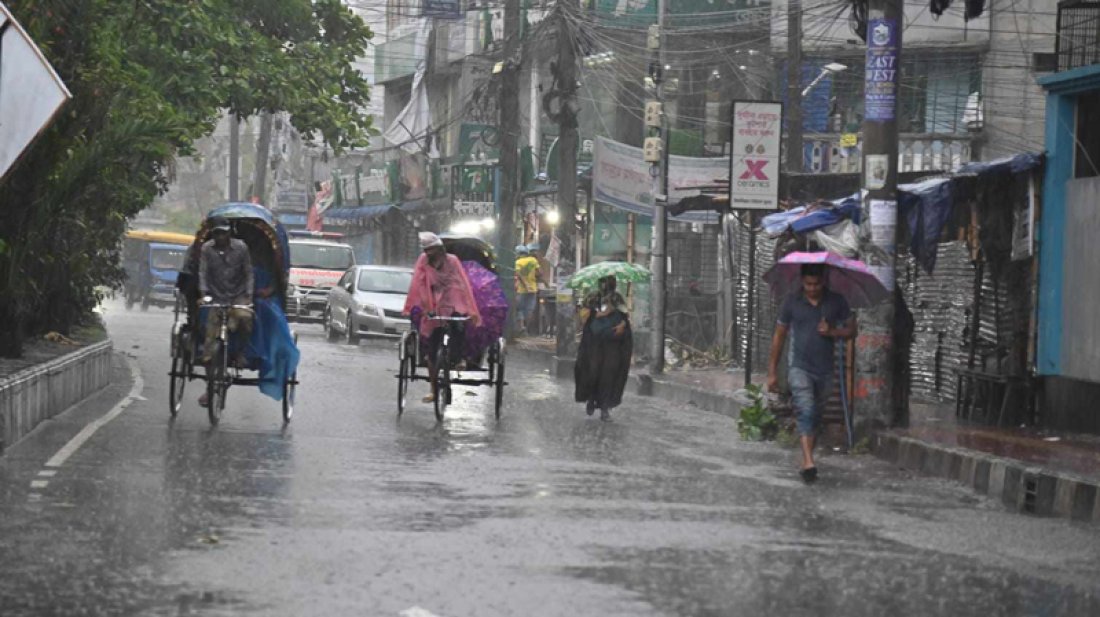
(1014, 103)
(1081, 285)
(1069, 405)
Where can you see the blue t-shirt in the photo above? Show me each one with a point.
(810, 351)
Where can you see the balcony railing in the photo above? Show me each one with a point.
(916, 152)
(1078, 31)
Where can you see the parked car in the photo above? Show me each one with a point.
(368, 300)
(315, 266)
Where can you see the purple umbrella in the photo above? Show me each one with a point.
(491, 303)
(850, 278)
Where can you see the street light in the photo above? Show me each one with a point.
(553, 217)
(828, 69)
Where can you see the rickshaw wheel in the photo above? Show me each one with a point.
(216, 384)
(498, 381)
(443, 382)
(289, 388)
(178, 382)
(404, 372)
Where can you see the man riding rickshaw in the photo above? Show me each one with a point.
(458, 309)
(233, 287)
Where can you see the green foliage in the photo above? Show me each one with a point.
(148, 79)
(757, 422)
(863, 446)
(786, 437)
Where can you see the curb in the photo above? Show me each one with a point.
(1021, 487)
(36, 394)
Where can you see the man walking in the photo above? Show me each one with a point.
(527, 287)
(815, 317)
(225, 276)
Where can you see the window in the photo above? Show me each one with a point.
(166, 259)
(1087, 136)
(321, 257)
(932, 94)
(385, 281)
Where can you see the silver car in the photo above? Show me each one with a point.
(368, 300)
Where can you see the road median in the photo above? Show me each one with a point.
(37, 393)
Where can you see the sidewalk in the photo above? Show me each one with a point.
(1040, 473)
(1037, 473)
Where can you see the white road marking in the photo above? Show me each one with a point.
(416, 611)
(86, 433)
(39, 483)
(48, 473)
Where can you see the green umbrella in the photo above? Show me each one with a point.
(589, 277)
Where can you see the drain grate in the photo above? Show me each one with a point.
(1031, 493)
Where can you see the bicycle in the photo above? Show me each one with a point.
(218, 378)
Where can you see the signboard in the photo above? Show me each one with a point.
(875, 169)
(31, 93)
(754, 162)
(478, 209)
(478, 143)
(621, 178)
(446, 9)
(881, 77)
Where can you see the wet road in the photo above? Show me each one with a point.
(351, 512)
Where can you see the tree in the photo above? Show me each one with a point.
(148, 78)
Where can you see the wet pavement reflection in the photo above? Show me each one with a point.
(352, 511)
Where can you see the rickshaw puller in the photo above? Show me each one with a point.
(225, 276)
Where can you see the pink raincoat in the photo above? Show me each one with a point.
(444, 292)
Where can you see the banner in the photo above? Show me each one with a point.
(445, 9)
(754, 169)
(622, 179)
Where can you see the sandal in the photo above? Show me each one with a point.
(428, 399)
(809, 475)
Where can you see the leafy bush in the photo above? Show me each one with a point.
(757, 422)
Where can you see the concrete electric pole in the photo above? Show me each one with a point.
(656, 152)
(794, 90)
(509, 154)
(876, 379)
(234, 157)
(567, 170)
(263, 150)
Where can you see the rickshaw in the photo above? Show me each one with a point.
(270, 253)
(484, 350)
(151, 260)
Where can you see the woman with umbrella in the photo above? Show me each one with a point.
(816, 315)
(607, 342)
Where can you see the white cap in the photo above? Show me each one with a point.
(428, 240)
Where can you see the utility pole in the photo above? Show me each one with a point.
(263, 150)
(565, 326)
(659, 173)
(794, 91)
(234, 157)
(876, 376)
(509, 153)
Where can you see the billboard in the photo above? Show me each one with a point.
(621, 178)
(757, 129)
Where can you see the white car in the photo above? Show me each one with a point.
(368, 300)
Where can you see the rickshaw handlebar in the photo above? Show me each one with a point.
(434, 317)
(208, 303)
